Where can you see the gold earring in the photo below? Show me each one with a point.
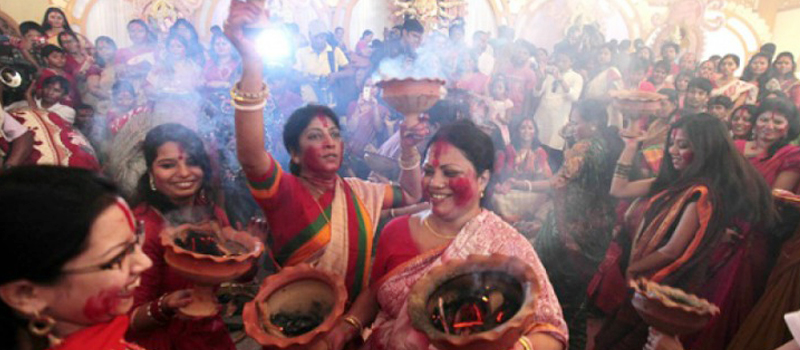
(42, 326)
(152, 183)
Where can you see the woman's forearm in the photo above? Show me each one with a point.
(250, 151)
(410, 176)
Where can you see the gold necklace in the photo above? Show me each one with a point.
(316, 201)
(435, 233)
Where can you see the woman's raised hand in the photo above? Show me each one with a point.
(242, 14)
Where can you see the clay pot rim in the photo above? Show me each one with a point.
(636, 95)
(706, 308)
(420, 296)
(239, 236)
(253, 325)
(403, 80)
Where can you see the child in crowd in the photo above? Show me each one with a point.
(56, 60)
(49, 97)
(720, 106)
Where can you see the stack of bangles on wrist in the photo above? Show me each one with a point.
(526, 344)
(353, 321)
(249, 101)
(157, 312)
(622, 170)
(410, 164)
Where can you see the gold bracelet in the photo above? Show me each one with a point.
(353, 321)
(526, 344)
(249, 97)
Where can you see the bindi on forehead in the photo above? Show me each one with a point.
(323, 120)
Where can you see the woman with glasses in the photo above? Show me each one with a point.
(71, 261)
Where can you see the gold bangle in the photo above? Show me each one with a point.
(249, 97)
(410, 164)
(353, 321)
(526, 344)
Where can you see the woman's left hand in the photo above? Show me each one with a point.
(412, 136)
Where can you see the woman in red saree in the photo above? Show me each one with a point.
(785, 66)
(457, 170)
(315, 216)
(173, 191)
(70, 278)
(696, 196)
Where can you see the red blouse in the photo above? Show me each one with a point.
(395, 246)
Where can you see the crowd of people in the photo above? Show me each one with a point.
(526, 155)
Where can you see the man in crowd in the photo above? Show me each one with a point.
(319, 62)
(53, 91)
(697, 95)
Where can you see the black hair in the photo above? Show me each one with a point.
(121, 86)
(733, 57)
(27, 26)
(594, 112)
(720, 100)
(57, 79)
(73, 35)
(787, 108)
(720, 166)
(297, 123)
(475, 144)
(213, 53)
(193, 48)
(190, 142)
(100, 61)
(47, 214)
(664, 65)
(515, 137)
(446, 111)
(50, 49)
(454, 28)
(748, 74)
(701, 83)
(791, 58)
(668, 44)
(768, 49)
(412, 25)
(751, 110)
(46, 25)
(672, 95)
(151, 37)
(366, 33)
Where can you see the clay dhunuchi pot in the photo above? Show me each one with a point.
(634, 103)
(208, 271)
(671, 310)
(411, 97)
(295, 290)
(480, 303)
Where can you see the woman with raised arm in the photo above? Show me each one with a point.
(316, 216)
(691, 205)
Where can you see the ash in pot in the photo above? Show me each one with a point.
(293, 324)
(209, 244)
(475, 302)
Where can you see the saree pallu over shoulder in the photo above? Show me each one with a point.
(659, 226)
(334, 233)
(105, 336)
(485, 234)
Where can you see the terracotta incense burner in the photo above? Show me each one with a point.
(208, 255)
(411, 97)
(671, 310)
(295, 308)
(483, 302)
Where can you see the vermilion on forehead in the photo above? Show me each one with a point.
(122, 205)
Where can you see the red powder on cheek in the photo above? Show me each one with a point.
(688, 156)
(103, 305)
(463, 189)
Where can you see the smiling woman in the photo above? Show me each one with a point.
(174, 186)
(80, 266)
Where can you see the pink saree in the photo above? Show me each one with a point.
(487, 233)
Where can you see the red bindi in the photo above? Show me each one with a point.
(439, 148)
(324, 120)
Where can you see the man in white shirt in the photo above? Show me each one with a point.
(560, 89)
(53, 90)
